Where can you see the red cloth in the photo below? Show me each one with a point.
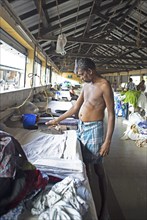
(33, 181)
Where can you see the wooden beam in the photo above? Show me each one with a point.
(93, 41)
(97, 56)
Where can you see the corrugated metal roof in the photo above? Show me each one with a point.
(112, 32)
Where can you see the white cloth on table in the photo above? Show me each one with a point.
(57, 155)
(45, 146)
(61, 202)
(62, 168)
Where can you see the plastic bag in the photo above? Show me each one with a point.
(61, 42)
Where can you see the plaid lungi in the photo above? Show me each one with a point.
(91, 136)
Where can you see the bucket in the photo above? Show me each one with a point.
(29, 120)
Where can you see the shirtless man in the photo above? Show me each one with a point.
(95, 97)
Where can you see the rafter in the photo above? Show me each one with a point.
(93, 41)
(97, 56)
(41, 13)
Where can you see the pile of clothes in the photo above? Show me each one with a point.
(49, 197)
(136, 129)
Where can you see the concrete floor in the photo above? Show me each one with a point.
(126, 171)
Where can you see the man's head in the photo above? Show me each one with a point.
(130, 80)
(86, 68)
(85, 64)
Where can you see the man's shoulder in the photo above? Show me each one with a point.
(101, 79)
(105, 82)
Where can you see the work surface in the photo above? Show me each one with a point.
(44, 152)
(59, 105)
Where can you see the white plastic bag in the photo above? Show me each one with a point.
(61, 42)
(135, 118)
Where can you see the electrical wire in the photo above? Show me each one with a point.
(31, 75)
(138, 42)
(30, 93)
(76, 22)
(40, 14)
(59, 16)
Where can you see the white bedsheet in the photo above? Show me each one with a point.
(59, 155)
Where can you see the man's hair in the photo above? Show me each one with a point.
(85, 64)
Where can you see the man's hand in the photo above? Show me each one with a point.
(52, 122)
(104, 151)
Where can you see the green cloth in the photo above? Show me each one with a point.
(132, 97)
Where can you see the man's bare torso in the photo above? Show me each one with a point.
(93, 106)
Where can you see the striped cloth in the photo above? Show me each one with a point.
(91, 135)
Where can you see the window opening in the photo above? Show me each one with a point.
(12, 68)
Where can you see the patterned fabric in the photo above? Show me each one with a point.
(18, 176)
(7, 156)
(13, 213)
(12, 156)
(131, 86)
(91, 135)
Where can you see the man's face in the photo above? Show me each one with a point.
(85, 75)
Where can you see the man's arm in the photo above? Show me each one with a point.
(109, 100)
(73, 110)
